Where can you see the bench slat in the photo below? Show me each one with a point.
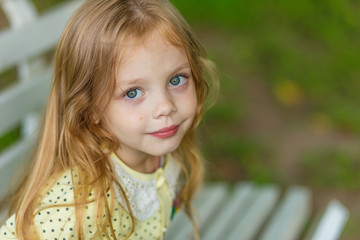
(18, 12)
(290, 217)
(40, 35)
(232, 209)
(264, 200)
(331, 223)
(208, 208)
(11, 159)
(210, 197)
(17, 101)
(181, 218)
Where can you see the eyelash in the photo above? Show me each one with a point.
(184, 75)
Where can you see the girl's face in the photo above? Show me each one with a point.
(154, 103)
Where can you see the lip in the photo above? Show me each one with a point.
(166, 132)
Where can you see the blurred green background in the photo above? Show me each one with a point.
(289, 106)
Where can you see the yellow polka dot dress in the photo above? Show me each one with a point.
(150, 195)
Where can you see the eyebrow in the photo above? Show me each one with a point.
(140, 80)
(181, 67)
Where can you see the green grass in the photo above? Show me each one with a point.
(332, 169)
(313, 43)
(7, 78)
(43, 5)
(9, 138)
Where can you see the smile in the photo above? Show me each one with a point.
(166, 132)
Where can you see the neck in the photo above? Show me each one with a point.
(140, 162)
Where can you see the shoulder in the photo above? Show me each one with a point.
(58, 190)
(55, 215)
(7, 231)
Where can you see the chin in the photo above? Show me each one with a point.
(165, 149)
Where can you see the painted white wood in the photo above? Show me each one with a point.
(332, 222)
(36, 37)
(248, 226)
(206, 208)
(181, 219)
(11, 160)
(19, 100)
(18, 12)
(242, 212)
(291, 215)
(28, 37)
(206, 205)
(232, 209)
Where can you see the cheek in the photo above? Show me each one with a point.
(121, 119)
(133, 119)
(190, 103)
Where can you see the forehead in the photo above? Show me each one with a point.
(154, 53)
(153, 41)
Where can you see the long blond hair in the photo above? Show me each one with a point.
(74, 130)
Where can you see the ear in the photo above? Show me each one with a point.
(95, 116)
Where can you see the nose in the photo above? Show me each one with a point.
(164, 106)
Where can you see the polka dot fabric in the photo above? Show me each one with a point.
(57, 222)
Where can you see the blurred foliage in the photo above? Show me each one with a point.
(223, 142)
(307, 51)
(7, 78)
(245, 153)
(338, 169)
(9, 138)
(42, 5)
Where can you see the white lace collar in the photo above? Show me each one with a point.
(140, 188)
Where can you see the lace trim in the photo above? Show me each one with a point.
(142, 195)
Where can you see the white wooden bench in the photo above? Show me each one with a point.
(243, 211)
(248, 211)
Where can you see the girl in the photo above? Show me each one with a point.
(118, 147)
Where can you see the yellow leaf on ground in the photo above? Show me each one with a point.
(288, 93)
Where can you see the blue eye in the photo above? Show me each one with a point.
(134, 93)
(177, 80)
